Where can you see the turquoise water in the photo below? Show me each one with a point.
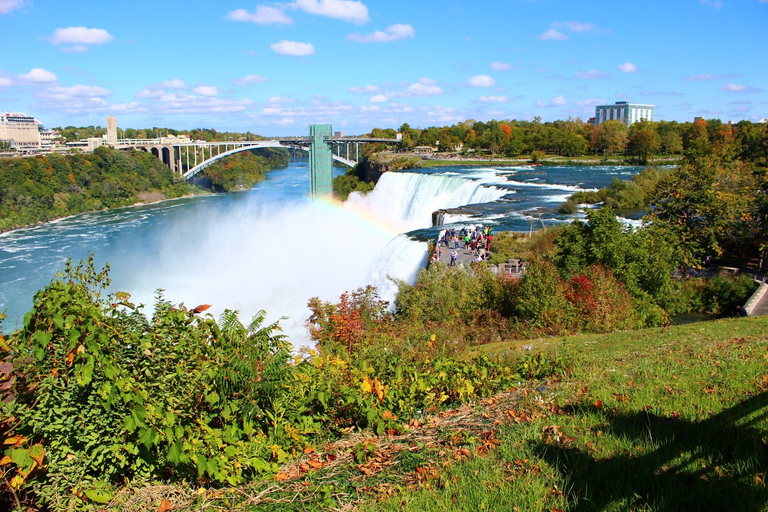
(272, 248)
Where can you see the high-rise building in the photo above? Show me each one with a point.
(111, 131)
(22, 130)
(624, 111)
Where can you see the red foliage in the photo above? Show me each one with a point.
(581, 293)
(507, 130)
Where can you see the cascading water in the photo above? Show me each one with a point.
(410, 198)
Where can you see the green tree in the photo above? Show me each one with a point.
(643, 141)
(609, 138)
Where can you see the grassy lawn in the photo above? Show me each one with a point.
(662, 419)
(658, 419)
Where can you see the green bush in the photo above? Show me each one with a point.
(101, 395)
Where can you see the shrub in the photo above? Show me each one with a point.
(100, 394)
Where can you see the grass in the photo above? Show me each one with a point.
(657, 419)
(662, 419)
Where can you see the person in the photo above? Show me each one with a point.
(454, 255)
(455, 242)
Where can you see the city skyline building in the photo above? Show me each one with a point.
(21, 130)
(625, 112)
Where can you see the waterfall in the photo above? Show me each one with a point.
(408, 198)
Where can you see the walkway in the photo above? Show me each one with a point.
(465, 259)
(761, 308)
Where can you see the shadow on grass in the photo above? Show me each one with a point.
(716, 464)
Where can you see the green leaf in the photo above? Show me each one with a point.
(99, 495)
(174, 452)
(146, 435)
(201, 464)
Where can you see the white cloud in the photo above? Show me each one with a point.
(627, 67)
(159, 90)
(346, 10)
(379, 98)
(590, 102)
(38, 76)
(717, 4)
(708, 76)
(392, 33)
(264, 15)
(501, 66)
(80, 91)
(482, 81)
(293, 48)
(592, 74)
(7, 6)
(79, 39)
(729, 87)
(206, 90)
(279, 100)
(250, 80)
(5, 82)
(424, 87)
(558, 28)
(148, 92)
(553, 34)
(557, 101)
(176, 83)
(367, 89)
(492, 99)
(575, 26)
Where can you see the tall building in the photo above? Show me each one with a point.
(111, 131)
(22, 130)
(624, 111)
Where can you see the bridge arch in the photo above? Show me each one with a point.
(261, 144)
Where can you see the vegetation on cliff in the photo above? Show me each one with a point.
(46, 187)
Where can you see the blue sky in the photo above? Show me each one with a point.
(275, 67)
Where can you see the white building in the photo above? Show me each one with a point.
(22, 130)
(625, 112)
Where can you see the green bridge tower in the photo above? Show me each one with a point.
(320, 160)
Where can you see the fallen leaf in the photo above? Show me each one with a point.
(281, 477)
(165, 505)
(314, 464)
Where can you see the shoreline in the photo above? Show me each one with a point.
(134, 205)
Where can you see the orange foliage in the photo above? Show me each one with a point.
(507, 131)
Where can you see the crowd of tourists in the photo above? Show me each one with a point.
(476, 240)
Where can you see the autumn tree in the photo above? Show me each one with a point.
(696, 142)
(609, 137)
(643, 141)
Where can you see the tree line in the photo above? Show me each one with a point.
(574, 138)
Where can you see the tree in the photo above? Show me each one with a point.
(643, 141)
(696, 142)
(710, 208)
(609, 137)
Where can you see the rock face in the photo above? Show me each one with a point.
(373, 166)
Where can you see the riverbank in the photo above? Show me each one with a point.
(47, 188)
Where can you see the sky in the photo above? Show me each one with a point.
(273, 68)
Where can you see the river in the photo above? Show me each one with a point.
(273, 248)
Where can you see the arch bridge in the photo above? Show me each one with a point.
(186, 158)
